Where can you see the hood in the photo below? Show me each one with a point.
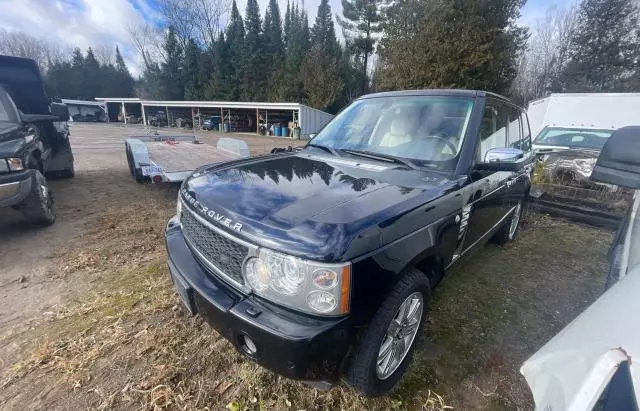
(22, 78)
(309, 204)
(570, 165)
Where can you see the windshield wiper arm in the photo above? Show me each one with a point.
(325, 148)
(382, 157)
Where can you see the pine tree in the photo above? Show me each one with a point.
(220, 87)
(171, 84)
(125, 82)
(323, 31)
(77, 60)
(321, 78)
(253, 84)
(361, 20)
(462, 44)
(192, 86)
(273, 30)
(235, 44)
(274, 51)
(287, 23)
(602, 51)
(92, 76)
(320, 72)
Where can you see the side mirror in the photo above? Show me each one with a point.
(619, 160)
(502, 159)
(60, 110)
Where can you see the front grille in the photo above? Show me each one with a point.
(218, 250)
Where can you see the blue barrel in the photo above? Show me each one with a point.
(227, 127)
(285, 132)
(277, 131)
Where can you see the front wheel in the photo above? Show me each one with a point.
(37, 208)
(387, 346)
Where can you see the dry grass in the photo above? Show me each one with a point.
(128, 345)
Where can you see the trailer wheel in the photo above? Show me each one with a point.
(37, 208)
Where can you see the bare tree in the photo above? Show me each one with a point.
(104, 54)
(20, 44)
(195, 19)
(211, 15)
(147, 40)
(547, 54)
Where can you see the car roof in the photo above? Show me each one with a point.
(437, 92)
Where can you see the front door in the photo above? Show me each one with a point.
(489, 199)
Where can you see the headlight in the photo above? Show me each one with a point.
(11, 164)
(303, 285)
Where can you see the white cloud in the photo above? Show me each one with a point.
(78, 23)
(84, 23)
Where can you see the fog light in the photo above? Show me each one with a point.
(247, 344)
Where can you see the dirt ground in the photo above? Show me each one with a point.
(89, 319)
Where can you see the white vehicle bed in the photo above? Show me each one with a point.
(173, 158)
(605, 111)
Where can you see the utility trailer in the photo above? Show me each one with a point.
(171, 159)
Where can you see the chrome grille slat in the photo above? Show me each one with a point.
(221, 252)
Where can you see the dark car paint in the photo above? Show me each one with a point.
(31, 134)
(22, 78)
(317, 206)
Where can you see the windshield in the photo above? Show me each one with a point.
(7, 113)
(573, 137)
(425, 129)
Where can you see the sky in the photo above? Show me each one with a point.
(85, 23)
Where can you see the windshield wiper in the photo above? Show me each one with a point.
(382, 157)
(325, 148)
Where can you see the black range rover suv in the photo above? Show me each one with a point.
(320, 263)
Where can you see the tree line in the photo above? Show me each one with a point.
(208, 50)
(591, 47)
(255, 58)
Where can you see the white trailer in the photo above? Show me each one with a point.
(173, 158)
(604, 111)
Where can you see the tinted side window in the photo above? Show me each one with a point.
(493, 130)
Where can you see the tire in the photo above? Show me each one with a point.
(507, 233)
(37, 208)
(363, 373)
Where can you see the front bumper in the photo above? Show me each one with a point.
(294, 345)
(15, 187)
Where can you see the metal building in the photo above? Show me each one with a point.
(279, 119)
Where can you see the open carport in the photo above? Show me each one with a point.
(278, 119)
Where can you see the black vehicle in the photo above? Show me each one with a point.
(321, 262)
(34, 141)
